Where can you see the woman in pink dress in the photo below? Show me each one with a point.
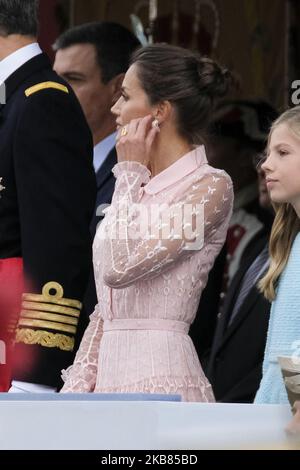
(160, 237)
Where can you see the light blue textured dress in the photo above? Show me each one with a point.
(284, 331)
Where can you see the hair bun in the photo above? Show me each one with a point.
(214, 80)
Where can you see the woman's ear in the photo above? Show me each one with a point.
(163, 111)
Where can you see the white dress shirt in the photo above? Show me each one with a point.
(102, 149)
(25, 387)
(15, 60)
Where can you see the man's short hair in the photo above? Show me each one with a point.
(19, 17)
(113, 42)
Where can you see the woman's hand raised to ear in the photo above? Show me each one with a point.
(135, 140)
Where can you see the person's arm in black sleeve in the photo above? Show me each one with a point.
(56, 192)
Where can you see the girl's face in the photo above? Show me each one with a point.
(133, 102)
(282, 167)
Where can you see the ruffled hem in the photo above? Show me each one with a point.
(190, 389)
(132, 167)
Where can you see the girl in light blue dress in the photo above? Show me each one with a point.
(281, 284)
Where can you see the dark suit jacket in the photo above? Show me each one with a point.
(203, 328)
(105, 189)
(45, 211)
(235, 363)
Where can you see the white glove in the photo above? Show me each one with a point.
(25, 387)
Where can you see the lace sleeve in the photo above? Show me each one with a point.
(81, 376)
(141, 241)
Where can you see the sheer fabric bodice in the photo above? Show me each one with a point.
(152, 255)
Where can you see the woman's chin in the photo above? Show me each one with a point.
(277, 199)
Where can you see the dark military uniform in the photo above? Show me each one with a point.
(47, 199)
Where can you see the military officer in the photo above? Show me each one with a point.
(47, 196)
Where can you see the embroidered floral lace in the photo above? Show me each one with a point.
(152, 255)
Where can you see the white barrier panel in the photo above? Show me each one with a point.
(133, 425)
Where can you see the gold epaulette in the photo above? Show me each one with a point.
(49, 311)
(43, 86)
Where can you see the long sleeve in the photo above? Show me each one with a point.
(142, 241)
(283, 332)
(81, 376)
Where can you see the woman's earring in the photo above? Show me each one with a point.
(155, 123)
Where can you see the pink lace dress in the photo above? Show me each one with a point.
(149, 275)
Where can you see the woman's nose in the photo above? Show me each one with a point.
(263, 166)
(115, 108)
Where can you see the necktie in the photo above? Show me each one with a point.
(255, 271)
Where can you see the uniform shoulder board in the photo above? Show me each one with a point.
(44, 86)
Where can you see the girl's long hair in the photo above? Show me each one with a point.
(286, 223)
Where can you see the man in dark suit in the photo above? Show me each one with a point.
(93, 58)
(47, 198)
(234, 366)
(239, 131)
(235, 363)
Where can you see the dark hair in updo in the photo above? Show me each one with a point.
(192, 83)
